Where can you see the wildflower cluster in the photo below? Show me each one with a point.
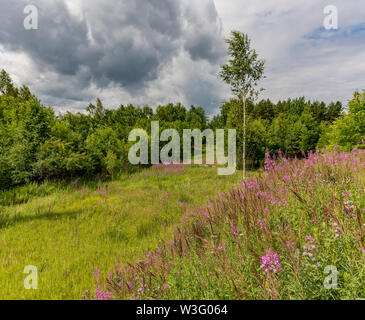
(309, 249)
(270, 262)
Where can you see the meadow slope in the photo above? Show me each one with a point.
(68, 231)
(296, 231)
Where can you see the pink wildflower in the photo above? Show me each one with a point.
(96, 273)
(270, 262)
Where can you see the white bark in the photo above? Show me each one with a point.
(244, 137)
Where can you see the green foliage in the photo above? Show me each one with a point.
(5, 174)
(57, 159)
(244, 69)
(349, 131)
(99, 143)
(257, 138)
(292, 125)
(6, 85)
(96, 112)
(36, 145)
(24, 126)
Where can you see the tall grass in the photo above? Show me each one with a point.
(67, 230)
(271, 237)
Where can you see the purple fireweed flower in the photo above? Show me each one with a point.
(263, 224)
(252, 184)
(100, 295)
(86, 295)
(309, 239)
(270, 262)
(290, 245)
(96, 273)
(269, 163)
(234, 231)
(337, 229)
(140, 291)
(165, 287)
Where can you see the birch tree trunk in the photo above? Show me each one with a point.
(244, 137)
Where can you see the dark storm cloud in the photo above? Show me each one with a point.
(57, 43)
(133, 39)
(124, 43)
(204, 46)
(202, 41)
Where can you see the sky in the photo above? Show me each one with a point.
(159, 51)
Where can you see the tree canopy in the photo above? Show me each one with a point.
(36, 144)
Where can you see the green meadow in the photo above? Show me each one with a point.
(67, 231)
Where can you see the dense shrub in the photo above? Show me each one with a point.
(349, 131)
(35, 144)
(290, 126)
(56, 159)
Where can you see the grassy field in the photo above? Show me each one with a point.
(271, 237)
(68, 231)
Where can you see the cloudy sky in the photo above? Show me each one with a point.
(159, 51)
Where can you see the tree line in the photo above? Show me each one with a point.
(36, 144)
